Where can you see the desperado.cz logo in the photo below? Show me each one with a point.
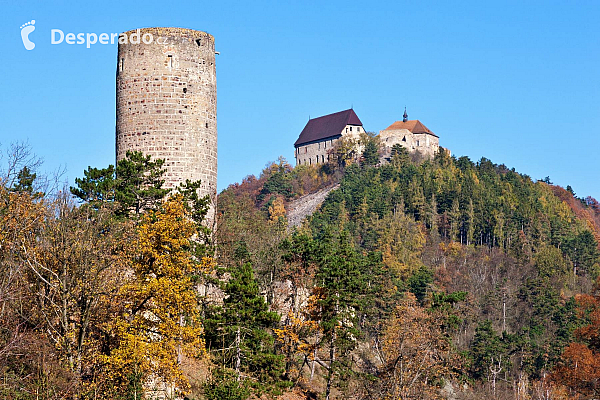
(57, 36)
(26, 29)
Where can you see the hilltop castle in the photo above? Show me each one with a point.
(320, 135)
(411, 134)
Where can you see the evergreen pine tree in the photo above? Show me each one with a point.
(240, 331)
(370, 153)
(25, 180)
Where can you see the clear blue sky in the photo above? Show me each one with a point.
(516, 82)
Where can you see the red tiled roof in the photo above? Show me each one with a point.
(327, 126)
(415, 126)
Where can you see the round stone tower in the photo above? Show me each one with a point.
(167, 103)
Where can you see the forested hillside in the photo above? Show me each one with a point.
(415, 279)
(425, 279)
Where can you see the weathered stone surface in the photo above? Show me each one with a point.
(167, 104)
(306, 205)
(422, 142)
(319, 151)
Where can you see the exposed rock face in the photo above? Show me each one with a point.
(306, 205)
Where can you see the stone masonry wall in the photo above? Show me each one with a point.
(422, 142)
(167, 104)
(316, 153)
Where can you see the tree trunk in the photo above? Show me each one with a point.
(312, 366)
(238, 353)
(331, 362)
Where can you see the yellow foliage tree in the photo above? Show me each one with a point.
(160, 319)
(298, 337)
(401, 242)
(277, 209)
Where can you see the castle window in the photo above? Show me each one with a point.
(199, 42)
(305, 149)
(184, 90)
(170, 61)
(417, 143)
(121, 64)
(207, 124)
(325, 144)
(323, 159)
(319, 145)
(404, 139)
(346, 130)
(310, 161)
(358, 128)
(350, 129)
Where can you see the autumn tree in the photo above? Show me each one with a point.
(415, 355)
(73, 272)
(159, 320)
(579, 366)
(343, 153)
(400, 240)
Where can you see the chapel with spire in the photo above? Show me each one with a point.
(411, 134)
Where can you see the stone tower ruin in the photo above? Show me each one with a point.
(167, 103)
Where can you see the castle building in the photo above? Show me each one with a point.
(321, 134)
(167, 104)
(411, 134)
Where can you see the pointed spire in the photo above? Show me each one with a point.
(405, 116)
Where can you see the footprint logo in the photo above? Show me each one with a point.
(26, 29)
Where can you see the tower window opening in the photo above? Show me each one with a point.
(206, 125)
(199, 42)
(184, 90)
(170, 61)
(350, 129)
(121, 61)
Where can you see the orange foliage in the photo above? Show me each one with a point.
(579, 369)
(589, 214)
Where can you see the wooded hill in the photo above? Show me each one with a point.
(415, 279)
(424, 275)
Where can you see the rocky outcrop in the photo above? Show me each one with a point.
(306, 205)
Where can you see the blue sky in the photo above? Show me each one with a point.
(516, 82)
